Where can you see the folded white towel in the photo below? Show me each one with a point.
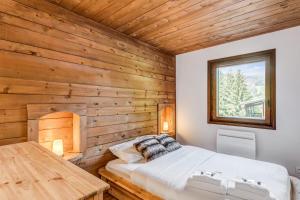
(249, 189)
(208, 181)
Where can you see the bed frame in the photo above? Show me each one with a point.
(122, 189)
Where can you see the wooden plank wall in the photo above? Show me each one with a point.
(51, 55)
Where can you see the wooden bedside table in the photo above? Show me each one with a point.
(31, 172)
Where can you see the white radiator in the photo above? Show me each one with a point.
(238, 143)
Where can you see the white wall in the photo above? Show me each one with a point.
(281, 146)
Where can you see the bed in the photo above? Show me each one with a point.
(166, 176)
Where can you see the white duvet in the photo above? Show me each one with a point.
(167, 175)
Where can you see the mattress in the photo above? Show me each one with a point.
(167, 176)
(122, 168)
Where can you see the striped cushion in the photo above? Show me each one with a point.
(172, 146)
(168, 142)
(140, 146)
(150, 148)
(154, 151)
(165, 139)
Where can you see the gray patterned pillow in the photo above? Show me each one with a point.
(154, 151)
(162, 136)
(150, 148)
(140, 146)
(165, 139)
(168, 142)
(173, 146)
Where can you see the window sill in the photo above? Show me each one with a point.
(248, 125)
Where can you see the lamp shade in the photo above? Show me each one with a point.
(58, 147)
(166, 126)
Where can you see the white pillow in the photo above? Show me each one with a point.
(126, 152)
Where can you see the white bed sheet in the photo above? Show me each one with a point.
(167, 175)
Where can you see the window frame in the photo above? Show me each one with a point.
(270, 90)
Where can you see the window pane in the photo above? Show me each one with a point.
(241, 90)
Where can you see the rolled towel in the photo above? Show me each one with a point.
(249, 189)
(295, 188)
(208, 181)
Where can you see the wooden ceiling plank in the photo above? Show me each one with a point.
(206, 7)
(94, 7)
(69, 4)
(132, 11)
(168, 19)
(207, 21)
(169, 8)
(211, 35)
(179, 25)
(248, 31)
(55, 1)
(227, 11)
(221, 40)
(114, 7)
(257, 11)
(288, 24)
(85, 6)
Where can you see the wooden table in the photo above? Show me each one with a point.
(30, 172)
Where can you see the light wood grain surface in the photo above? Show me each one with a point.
(184, 25)
(50, 55)
(123, 189)
(30, 172)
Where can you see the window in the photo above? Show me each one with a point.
(241, 90)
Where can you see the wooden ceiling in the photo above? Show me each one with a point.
(179, 26)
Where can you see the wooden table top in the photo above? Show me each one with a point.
(30, 172)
